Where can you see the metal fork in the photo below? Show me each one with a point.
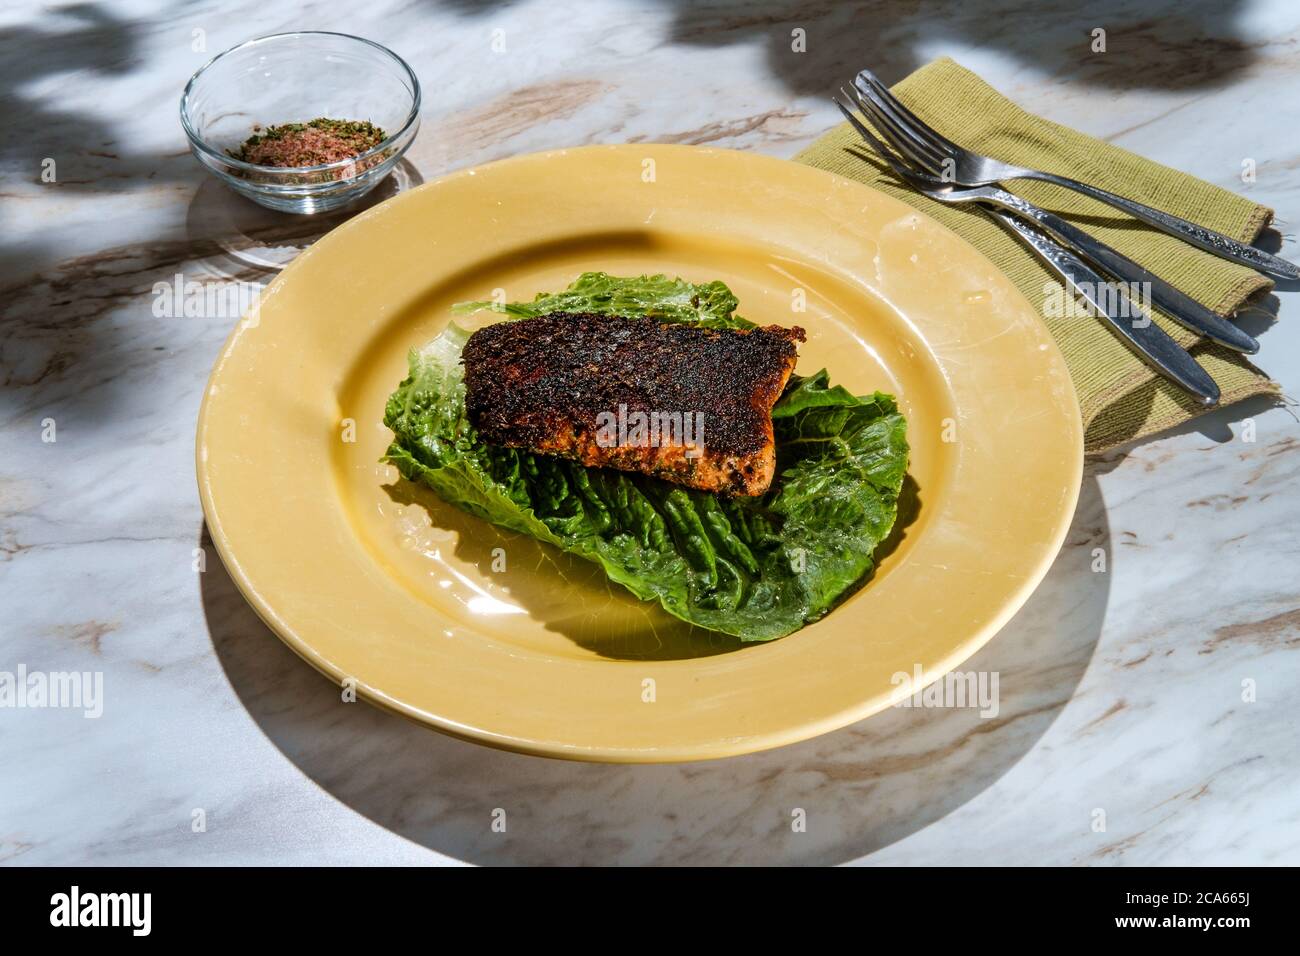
(942, 157)
(1181, 308)
(1148, 340)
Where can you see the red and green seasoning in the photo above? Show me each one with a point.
(313, 143)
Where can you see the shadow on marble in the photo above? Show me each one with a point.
(252, 236)
(75, 38)
(1168, 45)
(862, 788)
(1180, 45)
(60, 330)
(1215, 426)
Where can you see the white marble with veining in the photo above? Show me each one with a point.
(1121, 691)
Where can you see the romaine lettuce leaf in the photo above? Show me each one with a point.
(708, 306)
(757, 568)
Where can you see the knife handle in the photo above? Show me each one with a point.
(1152, 344)
(1182, 308)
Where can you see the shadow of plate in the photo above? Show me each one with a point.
(862, 788)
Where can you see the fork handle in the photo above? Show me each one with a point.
(1182, 308)
(1220, 245)
(1152, 344)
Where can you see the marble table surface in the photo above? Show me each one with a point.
(1147, 712)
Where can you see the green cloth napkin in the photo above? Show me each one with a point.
(1119, 397)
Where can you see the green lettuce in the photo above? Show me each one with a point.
(756, 568)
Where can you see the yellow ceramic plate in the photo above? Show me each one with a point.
(491, 636)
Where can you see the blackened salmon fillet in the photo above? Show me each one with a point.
(692, 406)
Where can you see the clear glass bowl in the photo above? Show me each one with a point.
(294, 78)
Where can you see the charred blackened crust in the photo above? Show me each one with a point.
(543, 383)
